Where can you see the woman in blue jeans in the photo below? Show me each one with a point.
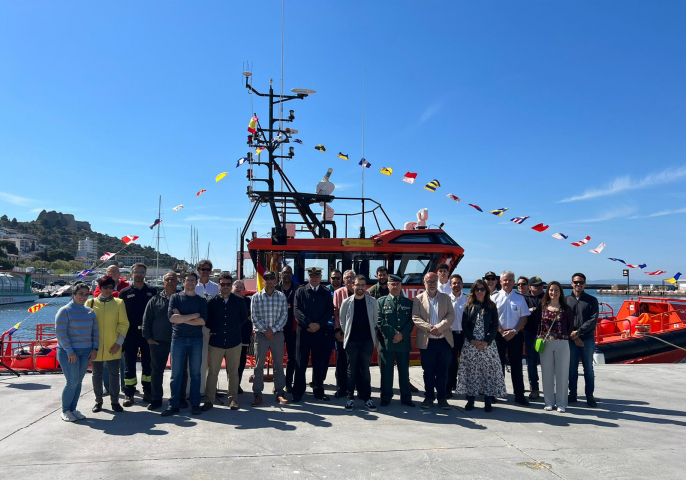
(76, 328)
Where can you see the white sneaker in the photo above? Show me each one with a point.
(561, 409)
(370, 405)
(548, 408)
(78, 415)
(68, 417)
(349, 404)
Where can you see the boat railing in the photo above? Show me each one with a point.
(31, 355)
(608, 327)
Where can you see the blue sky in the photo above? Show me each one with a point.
(568, 112)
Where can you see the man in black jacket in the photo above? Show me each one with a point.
(313, 310)
(226, 315)
(582, 339)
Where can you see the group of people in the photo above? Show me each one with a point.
(465, 339)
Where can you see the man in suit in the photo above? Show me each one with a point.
(433, 314)
(358, 317)
(395, 327)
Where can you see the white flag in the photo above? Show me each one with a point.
(600, 248)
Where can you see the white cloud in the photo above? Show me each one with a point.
(622, 184)
(17, 200)
(605, 216)
(431, 111)
(662, 213)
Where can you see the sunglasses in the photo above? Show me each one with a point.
(225, 284)
(578, 283)
(107, 287)
(335, 278)
(490, 278)
(481, 289)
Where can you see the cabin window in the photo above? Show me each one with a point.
(412, 267)
(414, 238)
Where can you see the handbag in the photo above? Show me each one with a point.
(539, 346)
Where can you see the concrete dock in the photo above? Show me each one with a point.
(636, 432)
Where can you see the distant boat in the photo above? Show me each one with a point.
(15, 287)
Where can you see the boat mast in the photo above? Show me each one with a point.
(159, 217)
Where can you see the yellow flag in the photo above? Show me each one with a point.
(386, 171)
(220, 176)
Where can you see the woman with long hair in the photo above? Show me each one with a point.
(557, 324)
(114, 324)
(480, 370)
(76, 328)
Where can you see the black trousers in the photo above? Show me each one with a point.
(458, 339)
(341, 368)
(132, 344)
(329, 345)
(290, 338)
(307, 343)
(359, 358)
(514, 349)
(159, 354)
(435, 363)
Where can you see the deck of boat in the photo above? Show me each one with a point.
(635, 432)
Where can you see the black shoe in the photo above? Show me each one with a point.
(470, 404)
(324, 398)
(154, 405)
(340, 394)
(488, 408)
(409, 404)
(196, 410)
(128, 401)
(183, 403)
(591, 402)
(311, 384)
(413, 389)
(522, 401)
(207, 406)
(571, 398)
(117, 408)
(240, 390)
(426, 403)
(171, 411)
(97, 408)
(443, 403)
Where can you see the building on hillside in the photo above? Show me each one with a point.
(128, 260)
(87, 251)
(24, 242)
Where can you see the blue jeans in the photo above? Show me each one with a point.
(586, 354)
(74, 373)
(532, 359)
(182, 348)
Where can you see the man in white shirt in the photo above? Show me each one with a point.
(208, 290)
(513, 312)
(459, 300)
(443, 270)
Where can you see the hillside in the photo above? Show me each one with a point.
(62, 232)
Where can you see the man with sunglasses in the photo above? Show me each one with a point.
(136, 298)
(226, 315)
(513, 313)
(207, 289)
(491, 280)
(533, 300)
(269, 312)
(582, 339)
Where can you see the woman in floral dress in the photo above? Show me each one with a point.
(480, 370)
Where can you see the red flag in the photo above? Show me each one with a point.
(475, 206)
(200, 192)
(410, 177)
(540, 227)
(129, 239)
(581, 242)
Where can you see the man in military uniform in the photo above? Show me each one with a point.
(395, 341)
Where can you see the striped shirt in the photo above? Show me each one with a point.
(433, 313)
(76, 326)
(269, 312)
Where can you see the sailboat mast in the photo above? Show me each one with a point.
(157, 257)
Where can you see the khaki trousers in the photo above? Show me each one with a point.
(232, 357)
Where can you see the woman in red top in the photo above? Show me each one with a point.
(557, 324)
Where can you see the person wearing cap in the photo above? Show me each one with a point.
(358, 317)
(433, 314)
(207, 289)
(269, 312)
(533, 300)
(288, 287)
(443, 271)
(313, 309)
(491, 280)
(459, 301)
(395, 327)
(513, 312)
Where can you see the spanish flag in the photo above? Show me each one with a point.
(252, 126)
(386, 171)
(260, 276)
(432, 185)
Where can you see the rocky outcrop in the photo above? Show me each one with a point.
(57, 219)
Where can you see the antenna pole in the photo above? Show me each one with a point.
(159, 217)
(362, 230)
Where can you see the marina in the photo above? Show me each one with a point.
(632, 434)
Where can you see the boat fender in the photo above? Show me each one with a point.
(598, 358)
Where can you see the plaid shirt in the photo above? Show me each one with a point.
(269, 312)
